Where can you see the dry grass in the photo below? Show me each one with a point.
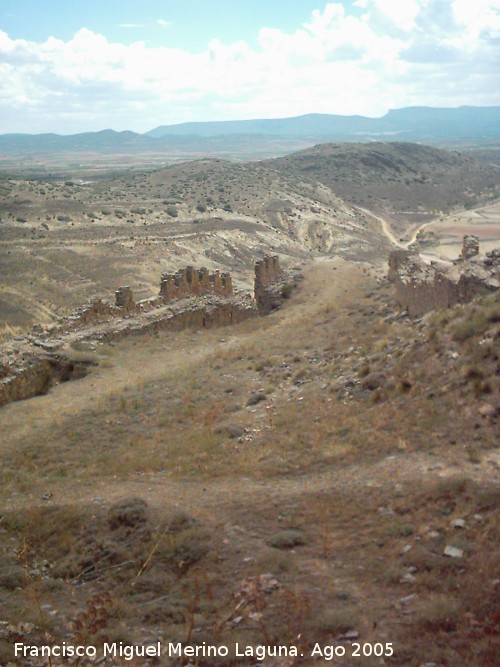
(354, 476)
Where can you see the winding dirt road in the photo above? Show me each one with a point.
(387, 230)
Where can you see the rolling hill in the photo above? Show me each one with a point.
(403, 180)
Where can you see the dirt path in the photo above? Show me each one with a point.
(404, 245)
(213, 496)
(386, 229)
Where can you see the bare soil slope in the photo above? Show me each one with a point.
(68, 241)
(284, 481)
(64, 242)
(410, 182)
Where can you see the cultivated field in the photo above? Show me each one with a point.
(448, 232)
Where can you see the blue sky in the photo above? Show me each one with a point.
(191, 23)
(135, 64)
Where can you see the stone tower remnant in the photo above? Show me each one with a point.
(268, 275)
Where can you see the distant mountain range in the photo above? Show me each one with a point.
(473, 126)
(409, 124)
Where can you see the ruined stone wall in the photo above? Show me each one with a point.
(93, 312)
(29, 372)
(188, 282)
(267, 285)
(421, 288)
(194, 282)
(196, 316)
(124, 298)
(32, 380)
(37, 374)
(470, 247)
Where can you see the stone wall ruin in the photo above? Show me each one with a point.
(189, 299)
(124, 298)
(421, 288)
(267, 284)
(194, 282)
(470, 247)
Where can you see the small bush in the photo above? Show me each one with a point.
(129, 512)
(439, 612)
(286, 539)
(400, 530)
(184, 549)
(172, 211)
(473, 325)
(336, 620)
(451, 487)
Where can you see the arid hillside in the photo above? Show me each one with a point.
(409, 182)
(326, 474)
(64, 242)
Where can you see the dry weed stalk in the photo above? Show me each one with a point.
(88, 624)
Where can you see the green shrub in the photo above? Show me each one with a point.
(472, 325)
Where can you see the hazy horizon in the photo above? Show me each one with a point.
(229, 120)
(73, 68)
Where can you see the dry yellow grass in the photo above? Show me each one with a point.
(169, 420)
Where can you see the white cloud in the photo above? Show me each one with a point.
(477, 20)
(482, 12)
(435, 52)
(163, 23)
(400, 12)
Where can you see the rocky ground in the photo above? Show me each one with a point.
(325, 474)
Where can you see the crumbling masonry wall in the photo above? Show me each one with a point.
(185, 283)
(470, 247)
(26, 370)
(267, 285)
(194, 282)
(34, 375)
(38, 374)
(124, 298)
(421, 288)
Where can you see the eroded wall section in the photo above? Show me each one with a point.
(422, 287)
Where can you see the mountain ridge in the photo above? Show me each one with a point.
(410, 120)
(267, 136)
